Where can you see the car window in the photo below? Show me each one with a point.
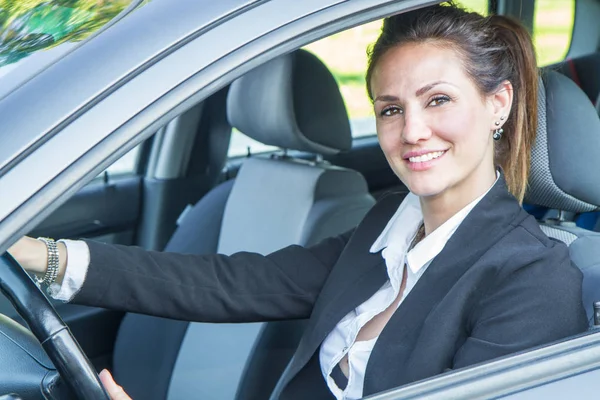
(480, 6)
(34, 33)
(345, 54)
(346, 57)
(125, 165)
(552, 29)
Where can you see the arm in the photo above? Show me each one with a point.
(73, 258)
(210, 288)
(533, 305)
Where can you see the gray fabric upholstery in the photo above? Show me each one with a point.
(273, 203)
(564, 174)
(292, 102)
(585, 253)
(211, 360)
(584, 248)
(559, 234)
(204, 221)
(139, 356)
(564, 160)
(286, 185)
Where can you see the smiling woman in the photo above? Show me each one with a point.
(443, 278)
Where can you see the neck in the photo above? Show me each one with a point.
(440, 208)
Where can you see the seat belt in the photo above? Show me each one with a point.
(573, 71)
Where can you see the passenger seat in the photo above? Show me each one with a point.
(294, 103)
(564, 173)
(583, 71)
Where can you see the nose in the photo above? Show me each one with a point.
(415, 127)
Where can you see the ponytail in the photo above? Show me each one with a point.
(514, 153)
(495, 49)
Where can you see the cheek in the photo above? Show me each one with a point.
(459, 127)
(390, 139)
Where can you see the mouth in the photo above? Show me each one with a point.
(423, 160)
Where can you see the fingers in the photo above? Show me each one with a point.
(115, 391)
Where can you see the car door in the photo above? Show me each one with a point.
(566, 369)
(108, 210)
(127, 107)
(35, 34)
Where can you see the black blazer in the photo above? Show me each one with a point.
(499, 286)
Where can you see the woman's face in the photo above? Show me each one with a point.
(433, 124)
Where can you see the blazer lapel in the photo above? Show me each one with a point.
(489, 221)
(357, 275)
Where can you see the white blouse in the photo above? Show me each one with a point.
(394, 241)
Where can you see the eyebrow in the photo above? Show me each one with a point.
(428, 87)
(386, 97)
(418, 93)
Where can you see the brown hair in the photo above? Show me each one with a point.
(493, 49)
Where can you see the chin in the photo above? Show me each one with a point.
(426, 189)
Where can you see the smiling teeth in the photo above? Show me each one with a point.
(426, 157)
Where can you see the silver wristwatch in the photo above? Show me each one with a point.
(53, 262)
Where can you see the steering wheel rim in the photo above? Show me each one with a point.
(51, 331)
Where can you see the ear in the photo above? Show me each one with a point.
(500, 103)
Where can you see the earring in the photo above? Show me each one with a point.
(498, 134)
(498, 131)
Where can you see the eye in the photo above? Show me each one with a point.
(439, 100)
(391, 110)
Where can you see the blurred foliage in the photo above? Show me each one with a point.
(552, 29)
(27, 26)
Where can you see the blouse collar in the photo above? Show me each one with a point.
(401, 229)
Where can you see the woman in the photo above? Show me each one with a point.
(454, 274)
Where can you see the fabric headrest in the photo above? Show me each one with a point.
(565, 160)
(292, 102)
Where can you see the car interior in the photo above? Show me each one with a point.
(184, 192)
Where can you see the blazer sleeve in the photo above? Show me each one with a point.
(243, 287)
(535, 304)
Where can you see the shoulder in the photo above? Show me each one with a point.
(526, 253)
(526, 243)
(534, 276)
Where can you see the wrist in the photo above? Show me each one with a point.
(62, 251)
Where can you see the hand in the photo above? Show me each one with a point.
(32, 254)
(115, 391)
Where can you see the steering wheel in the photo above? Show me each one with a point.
(50, 330)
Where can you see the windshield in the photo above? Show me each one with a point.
(33, 33)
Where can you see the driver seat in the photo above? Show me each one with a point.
(291, 102)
